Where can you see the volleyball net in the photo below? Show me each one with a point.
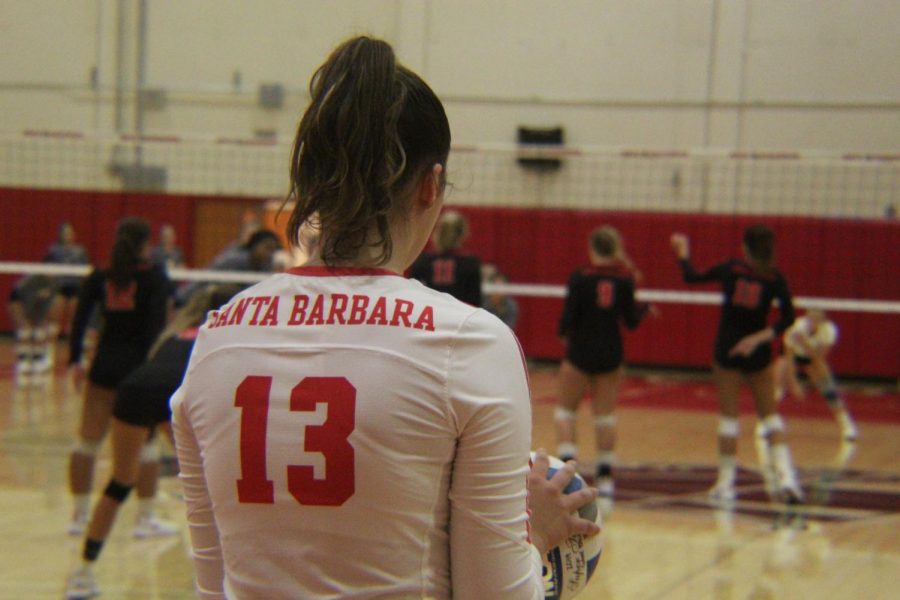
(837, 210)
(721, 181)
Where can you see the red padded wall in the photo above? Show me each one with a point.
(832, 258)
(31, 218)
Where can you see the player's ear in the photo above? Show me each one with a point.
(431, 187)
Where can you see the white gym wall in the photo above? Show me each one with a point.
(762, 74)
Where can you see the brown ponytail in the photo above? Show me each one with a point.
(194, 312)
(131, 235)
(372, 128)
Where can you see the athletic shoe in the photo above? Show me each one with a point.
(770, 480)
(721, 494)
(152, 526)
(81, 584)
(605, 505)
(78, 524)
(791, 494)
(41, 363)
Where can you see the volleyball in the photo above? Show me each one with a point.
(569, 566)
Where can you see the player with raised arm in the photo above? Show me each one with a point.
(743, 353)
(345, 432)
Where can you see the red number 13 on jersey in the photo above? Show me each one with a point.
(329, 438)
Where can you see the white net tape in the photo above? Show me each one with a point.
(512, 289)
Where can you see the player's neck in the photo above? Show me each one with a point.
(368, 258)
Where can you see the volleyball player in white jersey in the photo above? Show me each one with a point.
(806, 346)
(344, 432)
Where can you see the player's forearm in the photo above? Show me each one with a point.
(206, 549)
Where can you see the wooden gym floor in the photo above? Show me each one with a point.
(662, 539)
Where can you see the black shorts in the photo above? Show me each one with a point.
(757, 361)
(802, 361)
(113, 364)
(143, 397)
(593, 359)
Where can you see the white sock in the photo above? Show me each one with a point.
(844, 420)
(82, 504)
(727, 470)
(145, 508)
(781, 454)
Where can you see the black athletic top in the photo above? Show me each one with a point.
(747, 299)
(143, 397)
(454, 274)
(598, 298)
(132, 317)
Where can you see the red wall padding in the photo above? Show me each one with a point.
(31, 219)
(832, 258)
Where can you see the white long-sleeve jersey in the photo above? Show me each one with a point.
(824, 336)
(349, 433)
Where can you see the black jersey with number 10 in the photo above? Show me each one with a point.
(747, 299)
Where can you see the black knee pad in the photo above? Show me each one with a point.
(117, 491)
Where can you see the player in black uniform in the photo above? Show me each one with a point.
(598, 298)
(743, 353)
(142, 406)
(132, 296)
(446, 270)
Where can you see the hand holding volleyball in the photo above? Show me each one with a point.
(565, 525)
